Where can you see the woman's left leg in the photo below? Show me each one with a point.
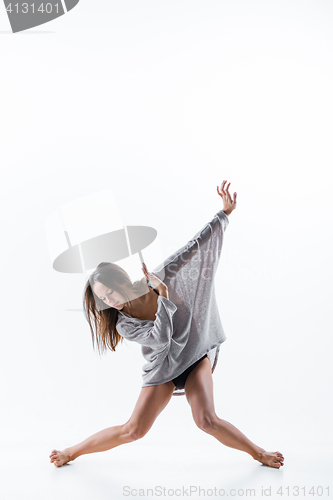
(199, 394)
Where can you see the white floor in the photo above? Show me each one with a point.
(27, 473)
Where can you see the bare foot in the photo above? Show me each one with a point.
(60, 458)
(271, 458)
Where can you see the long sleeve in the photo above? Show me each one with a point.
(155, 334)
(208, 241)
(188, 325)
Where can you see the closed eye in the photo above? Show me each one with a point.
(109, 293)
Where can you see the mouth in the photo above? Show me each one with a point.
(116, 304)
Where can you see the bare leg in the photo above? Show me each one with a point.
(152, 400)
(199, 393)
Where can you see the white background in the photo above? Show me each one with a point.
(160, 102)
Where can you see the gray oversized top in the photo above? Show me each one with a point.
(187, 325)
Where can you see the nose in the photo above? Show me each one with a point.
(111, 303)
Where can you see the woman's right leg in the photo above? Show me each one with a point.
(151, 402)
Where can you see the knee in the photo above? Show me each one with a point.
(206, 422)
(134, 431)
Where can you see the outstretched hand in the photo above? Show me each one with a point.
(229, 204)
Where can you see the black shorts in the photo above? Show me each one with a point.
(181, 379)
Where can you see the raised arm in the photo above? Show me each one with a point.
(209, 239)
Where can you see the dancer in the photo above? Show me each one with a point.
(172, 313)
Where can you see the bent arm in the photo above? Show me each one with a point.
(154, 334)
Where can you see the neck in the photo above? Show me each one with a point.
(137, 303)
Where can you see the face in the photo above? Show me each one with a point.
(109, 296)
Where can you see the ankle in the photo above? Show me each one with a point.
(70, 453)
(258, 453)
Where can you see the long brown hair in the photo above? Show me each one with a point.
(101, 318)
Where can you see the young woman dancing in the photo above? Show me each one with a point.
(176, 321)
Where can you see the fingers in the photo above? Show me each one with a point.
(222, 186)
(220, 190)
(228, 194)
(223, 191)
(144, 268)
(145, 271)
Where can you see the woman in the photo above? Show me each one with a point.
(180, 337)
